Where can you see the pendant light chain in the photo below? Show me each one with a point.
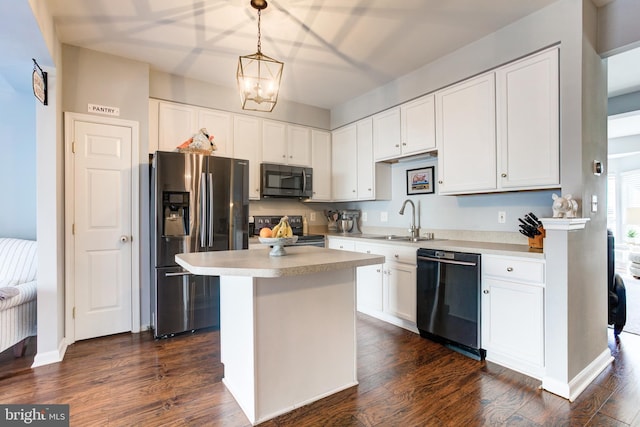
(259, 45)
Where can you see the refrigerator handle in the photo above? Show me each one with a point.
(210, 203)
(203, 210)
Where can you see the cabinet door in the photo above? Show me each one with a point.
(369, 288)
(400, 281)
(364, 159)
(344, 182)
(219, 124)
(341, 244)
(512, 321)
(386, 134)
(418, 120)
(274, 142)
(176, 124)
(298, 145)
(154, 107)
(465, 135)
(321, 164)
(528, 122)
(246, 145)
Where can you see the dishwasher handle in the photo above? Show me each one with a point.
(446, 261)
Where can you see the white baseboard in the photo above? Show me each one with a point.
(54, 356)
(573, 388)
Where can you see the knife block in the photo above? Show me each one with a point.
(536, 242)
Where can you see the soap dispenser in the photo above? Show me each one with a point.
(305, 225)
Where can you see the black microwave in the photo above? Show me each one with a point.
(285, 181)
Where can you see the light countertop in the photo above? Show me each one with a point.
(486, 248)
(299, 260)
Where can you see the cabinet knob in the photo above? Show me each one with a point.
(396, 256)
(283, 156)
(504, 175)
(439, 182)
(368, 252)
(509, 269)
(397, 145)
(341, 247)
(486, 291)
(353, 191)
(291, 157)
(368, 189)
(378, 270)
(404, 144)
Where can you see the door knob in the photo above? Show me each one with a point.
(124, 239)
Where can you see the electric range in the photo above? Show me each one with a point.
(295, 221)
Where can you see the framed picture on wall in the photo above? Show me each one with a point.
(420, 181)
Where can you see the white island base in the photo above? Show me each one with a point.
(289, 339)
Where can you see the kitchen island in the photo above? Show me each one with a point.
(287, 324)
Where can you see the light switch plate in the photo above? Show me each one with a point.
(312, 216)
(384, 216)
(594, 203)
(502, 217)
(364, 217)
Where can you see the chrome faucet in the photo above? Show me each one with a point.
(413, 230)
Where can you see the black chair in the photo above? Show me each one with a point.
(617, 291)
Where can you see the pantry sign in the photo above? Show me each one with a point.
(103, 109)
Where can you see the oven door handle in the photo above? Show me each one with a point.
(446, 261)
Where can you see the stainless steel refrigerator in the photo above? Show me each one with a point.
(198, 203)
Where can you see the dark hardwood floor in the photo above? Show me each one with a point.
(405, 380)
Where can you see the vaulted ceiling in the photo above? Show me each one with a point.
(333, 50)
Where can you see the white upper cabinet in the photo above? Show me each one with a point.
(386, 134)
(220, 125)
(501, 131)
(154, 107)
(418, 120)
(465, 132)
(344, 173)
(176, 124)
(274, 142)
(406, 130)
(246, 134)
(528, 129)
(298, 145)
(285, 144)
(364, 159)
(321, 165)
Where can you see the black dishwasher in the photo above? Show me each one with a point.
(448, 299)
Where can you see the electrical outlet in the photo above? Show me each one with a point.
(502, 217)
(384, 216)
(312, 216)
(364, 217)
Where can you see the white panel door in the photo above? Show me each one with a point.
(321, 164)
(466, 136)
(364, 160)
(247, 146)
(298, 145)
(102, 218)
(218, 124)
(176, 124)
(528, 121)
(344, 178)
(274, 142)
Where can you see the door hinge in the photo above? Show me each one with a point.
(73, 147)
(73, 314)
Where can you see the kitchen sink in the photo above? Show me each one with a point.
(396, 237)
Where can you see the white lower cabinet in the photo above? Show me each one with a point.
(513, 313)
(388, 291)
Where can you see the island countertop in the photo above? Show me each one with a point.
(299, 260)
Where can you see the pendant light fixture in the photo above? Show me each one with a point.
(259, 75)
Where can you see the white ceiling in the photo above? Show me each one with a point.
(333, 50)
